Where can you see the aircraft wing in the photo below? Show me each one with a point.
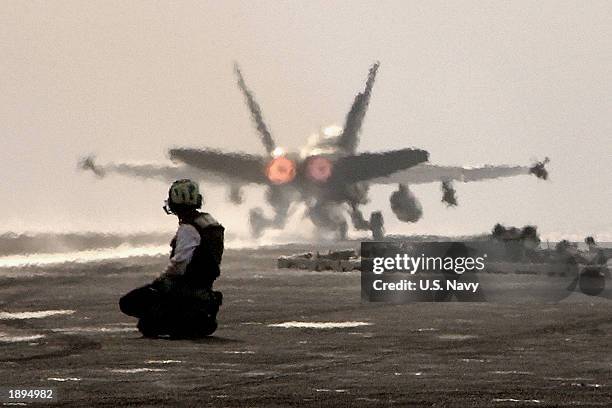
(207, 166)
(369, 166)
(430, 173)
(139, 170)
(238, 168)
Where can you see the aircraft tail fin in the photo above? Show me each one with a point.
(350, 136)
(256, 115)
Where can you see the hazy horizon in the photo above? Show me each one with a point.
(470, 82)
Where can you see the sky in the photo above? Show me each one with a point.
(471, 82)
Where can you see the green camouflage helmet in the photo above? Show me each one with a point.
(183, 194)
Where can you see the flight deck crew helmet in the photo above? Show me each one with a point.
(184, 195)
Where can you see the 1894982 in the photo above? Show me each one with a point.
(14, 394)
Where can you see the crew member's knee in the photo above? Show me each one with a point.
(137, 301)
(126, 305)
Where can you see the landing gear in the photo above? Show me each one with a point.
(377, 226)
(329, 217)
(258, 222)
(449, 195)
(280, 201)
(376, 223)
(235, 195)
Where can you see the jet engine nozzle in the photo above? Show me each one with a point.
(319, 169)
(280, 170)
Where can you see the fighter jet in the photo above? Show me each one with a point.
(328, 174)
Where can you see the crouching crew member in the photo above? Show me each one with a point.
(181, 302)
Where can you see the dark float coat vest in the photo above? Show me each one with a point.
(204, 266)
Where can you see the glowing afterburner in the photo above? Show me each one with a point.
(319, 169)
(280, 170)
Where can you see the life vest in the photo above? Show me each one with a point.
(204, 266)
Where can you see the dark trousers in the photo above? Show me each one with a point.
(182, 311)
(141, 301)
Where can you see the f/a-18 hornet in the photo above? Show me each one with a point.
(328, 174)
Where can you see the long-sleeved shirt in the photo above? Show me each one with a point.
(187, 240)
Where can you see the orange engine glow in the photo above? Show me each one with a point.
(280, 170)
(319, 169)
